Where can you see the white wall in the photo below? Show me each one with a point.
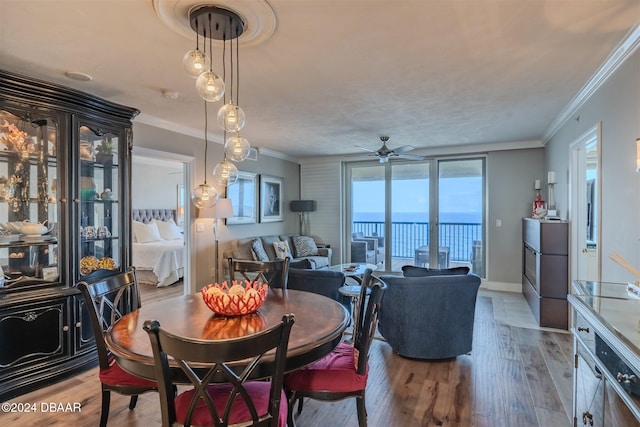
(617, 106)
(154, 186)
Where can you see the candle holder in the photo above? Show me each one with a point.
(538, 208)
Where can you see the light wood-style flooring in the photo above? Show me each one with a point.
(517, 375)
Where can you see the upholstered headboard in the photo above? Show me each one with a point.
(146, 215)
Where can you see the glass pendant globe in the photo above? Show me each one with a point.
(204, 196)
(225, 173)
(231, 117)
(237, 148)
(195, 62)
(210, 86)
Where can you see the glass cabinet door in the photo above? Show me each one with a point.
(29, 203)
(99, 192)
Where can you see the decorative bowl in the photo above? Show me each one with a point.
(236, 300)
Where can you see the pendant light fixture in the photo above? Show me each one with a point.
(215, 22)
(195, 61)
(204, 195)
(231, 117)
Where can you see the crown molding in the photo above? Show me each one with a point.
(174, 127)
(624, 50)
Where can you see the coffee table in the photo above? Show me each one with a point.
(353, 269)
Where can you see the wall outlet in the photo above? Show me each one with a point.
(498, 223)
(199, 228)
(212, 273)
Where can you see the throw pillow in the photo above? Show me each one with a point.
(168, 230)
(282, 250)
(304, 246)
(146, 233)
(412, 271)
(258, 250)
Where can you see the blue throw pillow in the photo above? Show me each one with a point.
(412, 271)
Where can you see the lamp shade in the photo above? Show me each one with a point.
(303, 205)
(222, 209)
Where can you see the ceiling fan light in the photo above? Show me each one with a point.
(204, 196)
(195, 62)
(225, 173)
(231, 117)
(210, 86)
(237, 148)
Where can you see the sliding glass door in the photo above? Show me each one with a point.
(400, 210)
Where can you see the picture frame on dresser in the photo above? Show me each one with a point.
(271, 192)
(244, 199)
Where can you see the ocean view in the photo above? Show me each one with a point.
(410, 231)
(454, 217)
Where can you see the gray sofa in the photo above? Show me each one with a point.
(250, 248)
(429, 315)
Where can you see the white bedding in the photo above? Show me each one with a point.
(165, 258)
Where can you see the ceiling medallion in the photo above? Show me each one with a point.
(258, 16)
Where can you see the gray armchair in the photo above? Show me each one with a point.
(429, 317)
(323, 282)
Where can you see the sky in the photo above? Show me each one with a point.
(457, 195)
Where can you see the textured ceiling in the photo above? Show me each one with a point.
(336, 74)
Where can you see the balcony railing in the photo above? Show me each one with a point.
(462, 238)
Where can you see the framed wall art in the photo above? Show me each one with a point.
(244, 199)
(271, 192)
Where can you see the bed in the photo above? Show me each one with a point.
(158, 262)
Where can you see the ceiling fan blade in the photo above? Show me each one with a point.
(403, 149)
(409, 156)
(366, 149)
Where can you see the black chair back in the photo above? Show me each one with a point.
(274, 273)
(371, 291)
(107, 301)
(206, 362)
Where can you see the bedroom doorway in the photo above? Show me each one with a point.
(157, 180)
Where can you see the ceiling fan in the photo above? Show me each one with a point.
(384, 153)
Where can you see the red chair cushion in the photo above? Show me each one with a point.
(115, 375)
(335, 372)
(258, 391)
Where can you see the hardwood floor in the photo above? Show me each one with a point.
(517, 375)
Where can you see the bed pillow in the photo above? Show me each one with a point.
(168, 229)
(304, 246)
(146, 233)
(282, 250)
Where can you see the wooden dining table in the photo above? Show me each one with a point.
(319, 324)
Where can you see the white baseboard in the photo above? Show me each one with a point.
(501, 286)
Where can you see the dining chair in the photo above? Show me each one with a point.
(274, 273)
(224, 393)
(107, 300)
(344, 372)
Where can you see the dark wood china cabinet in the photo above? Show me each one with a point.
(65, 159)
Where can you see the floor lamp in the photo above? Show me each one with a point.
(222, 209)
(303, 207)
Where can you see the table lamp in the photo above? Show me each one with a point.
(222, 209)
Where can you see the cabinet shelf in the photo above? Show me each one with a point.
(99, 239)
(22, 244)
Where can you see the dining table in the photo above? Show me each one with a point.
(318, 329)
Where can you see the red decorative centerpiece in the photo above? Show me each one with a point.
(241, 298)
